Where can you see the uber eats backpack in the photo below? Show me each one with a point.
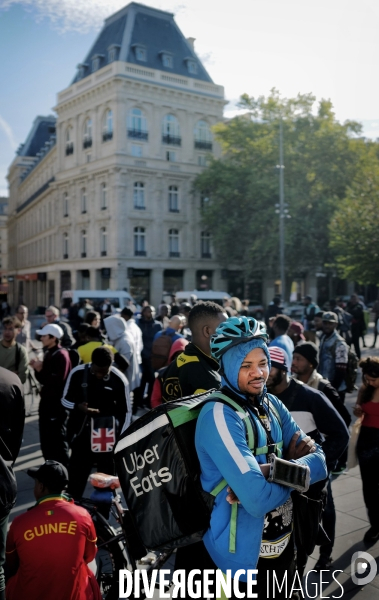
(159, 472)
(161, 350)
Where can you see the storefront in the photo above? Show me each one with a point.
(204, 280)
(139, 284)
(172, 281)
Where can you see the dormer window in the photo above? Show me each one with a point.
(140, 53)
(113, 51)
(191, 66)
(167, 60)
(82, 69)
(96, 60)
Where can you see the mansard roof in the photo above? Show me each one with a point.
(42, 131)
(153, 32)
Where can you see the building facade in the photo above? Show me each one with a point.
(101, 195)
(3, 249)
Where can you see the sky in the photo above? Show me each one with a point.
(327, 47)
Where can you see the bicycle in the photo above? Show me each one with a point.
(117, 545)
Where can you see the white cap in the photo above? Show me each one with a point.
(51, 329)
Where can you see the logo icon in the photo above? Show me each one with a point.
(363, 568)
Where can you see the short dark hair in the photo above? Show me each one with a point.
(93, 332)
(83, 327)
(11, 321)
(319, 314)
(102, 357)
(203, 310)
(127, 312)
(282, 322)
(90, 316)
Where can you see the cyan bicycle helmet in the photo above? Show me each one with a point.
(236, 330)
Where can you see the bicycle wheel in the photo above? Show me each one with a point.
(110, 559)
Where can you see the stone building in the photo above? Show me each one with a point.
(101, 195)
(3, 248)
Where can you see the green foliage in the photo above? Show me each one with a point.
(321, 159)
(354, 228)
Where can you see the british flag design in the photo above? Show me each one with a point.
(103, 434)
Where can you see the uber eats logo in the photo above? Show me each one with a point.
(138, 462)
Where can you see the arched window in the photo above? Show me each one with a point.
(87, 133)
(205, 241)
(65, 245)
(108, 126)
(171, 131)
(83, 243)
(65, 204)
(173, 243)
(203, 136)
(139, 241)
(173, 198)
(103, 196)
(69, 142)
(137, 125)
(103, 241)
(83, 201)
(139, 195)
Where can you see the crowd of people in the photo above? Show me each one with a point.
(100, 369)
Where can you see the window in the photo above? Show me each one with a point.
(83, 243)
(140, 53)
(167, 61)
(171, 131)
(82, 69)
(204, 199)
(96, 60)
(173, 243)
(192, 67)
(139, 195)
(173, 198)
(69, 142)
(108, 126)
(139, 241)
(206, 245)
(104, 196)
(137, 125)
(113, 52)
(203, 136)
(65, 245)
(65, 204)
(136, 150)
(103, 241)
(171, 156)
(83, 201)
(87, 135)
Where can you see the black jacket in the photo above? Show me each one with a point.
(12, 411)
(192, 372)
(316, 416)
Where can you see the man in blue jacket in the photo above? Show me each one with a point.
(259, 533)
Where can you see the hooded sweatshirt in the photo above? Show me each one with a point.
(223, 452)
(123, 341)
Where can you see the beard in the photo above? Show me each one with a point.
(276, 380)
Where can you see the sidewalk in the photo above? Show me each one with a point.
(347, 491)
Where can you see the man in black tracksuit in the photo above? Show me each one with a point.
(94, 391)
(316, 416)
(195, 371)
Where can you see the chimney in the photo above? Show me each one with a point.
(191, 42)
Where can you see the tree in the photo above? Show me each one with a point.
(354, 228)
(321, 159)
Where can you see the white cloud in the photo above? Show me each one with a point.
(8, 132)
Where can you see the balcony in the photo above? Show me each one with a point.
(107, 135)
(173, 209)
(206, 255)
(69, 148)
(87, 143)
(174, 254)
(139, 207)
(200, 145)
(65, 256)
(139, 252)
(173, 140)
(103, 253)
(83, 254)
(138, 134)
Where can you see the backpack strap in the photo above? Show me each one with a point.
(18, 357)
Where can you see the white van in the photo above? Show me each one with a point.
(118, 299)
(209, 295)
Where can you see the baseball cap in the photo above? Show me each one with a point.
(278, 358)
(298, 329)
(330, 317)
(51, 329)
(52, 474)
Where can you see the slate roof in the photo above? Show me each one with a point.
(42, 131)
(154, 30)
